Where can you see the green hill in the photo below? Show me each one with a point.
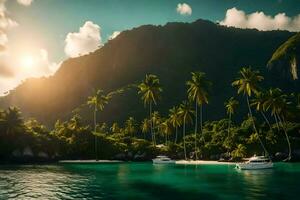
(171, 51)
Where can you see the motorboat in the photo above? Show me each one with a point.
(256, 162)
(163, 160)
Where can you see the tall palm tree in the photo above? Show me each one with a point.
(130, 126)
(166, 129)
(278, 104)
(247, 84)
(231, 106)
(145, 126)
(98, 101)
(174, 117)
(150, 89)
(186, 114)
(155, 121)
(259, 102)
(198, 93)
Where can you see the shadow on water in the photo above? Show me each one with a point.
(163, 191)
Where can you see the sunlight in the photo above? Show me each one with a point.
(27, 61)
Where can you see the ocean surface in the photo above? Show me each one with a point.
(148, 181)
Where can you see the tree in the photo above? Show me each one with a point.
(12, 121)
(279, 105)
(198, 93)
(115, 128)
(155, 121)
(98, 101)
(130, 126)
(231, 106)
(150, 89)
(259, 102)
(145, 126)
(166, 128)
(175, 120)
(247, 84)
(186, 113)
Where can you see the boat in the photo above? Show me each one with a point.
(256, 162)
(163, 160)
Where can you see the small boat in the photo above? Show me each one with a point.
(163, 160)
(256, 162)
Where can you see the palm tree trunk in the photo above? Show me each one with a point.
(276, 120)
(283, 124)
(184, 140)
(229, 122)
(196, 127)
(176, 133)
(266, 119)
(150, 117)
(96, 139)
(201, 125)
(250, 112)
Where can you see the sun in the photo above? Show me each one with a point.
(27, 61)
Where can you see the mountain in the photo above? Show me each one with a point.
(171, 51)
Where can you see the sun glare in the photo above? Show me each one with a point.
(27, 61)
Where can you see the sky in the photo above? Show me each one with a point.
(37, 35)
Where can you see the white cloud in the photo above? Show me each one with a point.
(184, 9)
(88, 39)
(261, 21)
(25, 2)
(114, 35)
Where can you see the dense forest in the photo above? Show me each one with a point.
(151, 95)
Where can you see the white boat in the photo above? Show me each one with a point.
(256, 162)
(163, 160)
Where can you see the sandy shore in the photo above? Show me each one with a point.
(203, 162)
(89, 161)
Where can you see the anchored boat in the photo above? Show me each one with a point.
(163, 160)
(256, 162)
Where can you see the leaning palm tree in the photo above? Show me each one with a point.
(175, 120)
(279, 105)
(198, 93)
(259, 102)
(231, 106)
(186, 113)
(98, 101)
(247, 84)
(150, 89)
(145, 126)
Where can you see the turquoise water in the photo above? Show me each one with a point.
(147, 181)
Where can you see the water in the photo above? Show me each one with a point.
(146, 181)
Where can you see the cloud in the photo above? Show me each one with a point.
(25, 2)
(184, 9)
(114, 35)
(261, 21)
(87, 40)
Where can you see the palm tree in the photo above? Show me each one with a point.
(247, 84)
(231, 106)
(97, 101)
(278, 104)
(155, 121)
(150, 90)
(166, 128)
(175, 120)
(186, 112)
(198, 93)
(130, 126)
(259, 102)
(145, 126)
(11, 121)
(115, 128)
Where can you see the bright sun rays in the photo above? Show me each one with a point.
(27, 62)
